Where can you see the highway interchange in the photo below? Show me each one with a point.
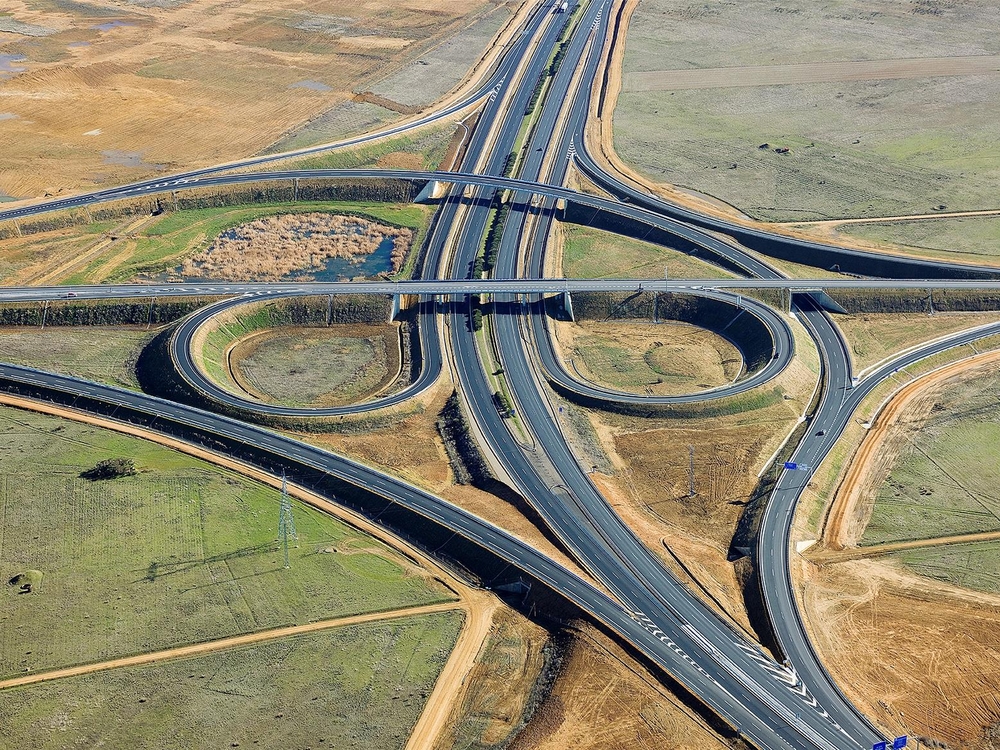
(771, 704)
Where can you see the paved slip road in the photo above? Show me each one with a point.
(268, 449)
(549, 476)
(664, 620)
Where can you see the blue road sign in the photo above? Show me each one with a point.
(793, 466)
(899, 743)
(879, 745)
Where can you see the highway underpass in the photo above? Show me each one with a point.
(770, 705)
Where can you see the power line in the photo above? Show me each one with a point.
(286, 523)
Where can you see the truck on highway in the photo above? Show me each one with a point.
(561, 7)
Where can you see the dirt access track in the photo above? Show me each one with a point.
(917, 655)
(94, 94)
(821, 72)
(480, 607)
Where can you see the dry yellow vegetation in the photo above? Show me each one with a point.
(95, 93)
(271, 248)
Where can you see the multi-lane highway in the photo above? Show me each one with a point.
(770, 704)
(465, 287)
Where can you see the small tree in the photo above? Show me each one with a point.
(111, 468)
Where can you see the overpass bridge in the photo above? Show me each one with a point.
(453, 287)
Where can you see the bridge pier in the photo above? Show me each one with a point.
(402, 302)
(432, 192)
(567, 303)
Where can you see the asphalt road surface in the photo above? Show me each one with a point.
(771, 704)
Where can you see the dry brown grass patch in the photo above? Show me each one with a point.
(603, 700)
(272, 248)
(192, 84)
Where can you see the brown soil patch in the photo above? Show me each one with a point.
(453, 682)
(272, 248)
(602, 700)
(499, 687)
(411, 448)
(919, 657)
(381, 101)
(653, 497)
(819, 72)
(202, 82)
(924, 658)
(400, 160)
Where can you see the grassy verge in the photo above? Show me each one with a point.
(358, 686)
(180, 553)
(495, 374)
(973, 566)
(596, 254)
(876, 336)
(972, 239)
(107, 355)
(422, 150)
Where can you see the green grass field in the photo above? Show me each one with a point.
(310, 367)
(180, 553)
(973, 566)
(596, 254)
(875, 336)
(361, 686)
(857, 147)
(945, 482)
(424, 149)
(967, 240)
(107, 355)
